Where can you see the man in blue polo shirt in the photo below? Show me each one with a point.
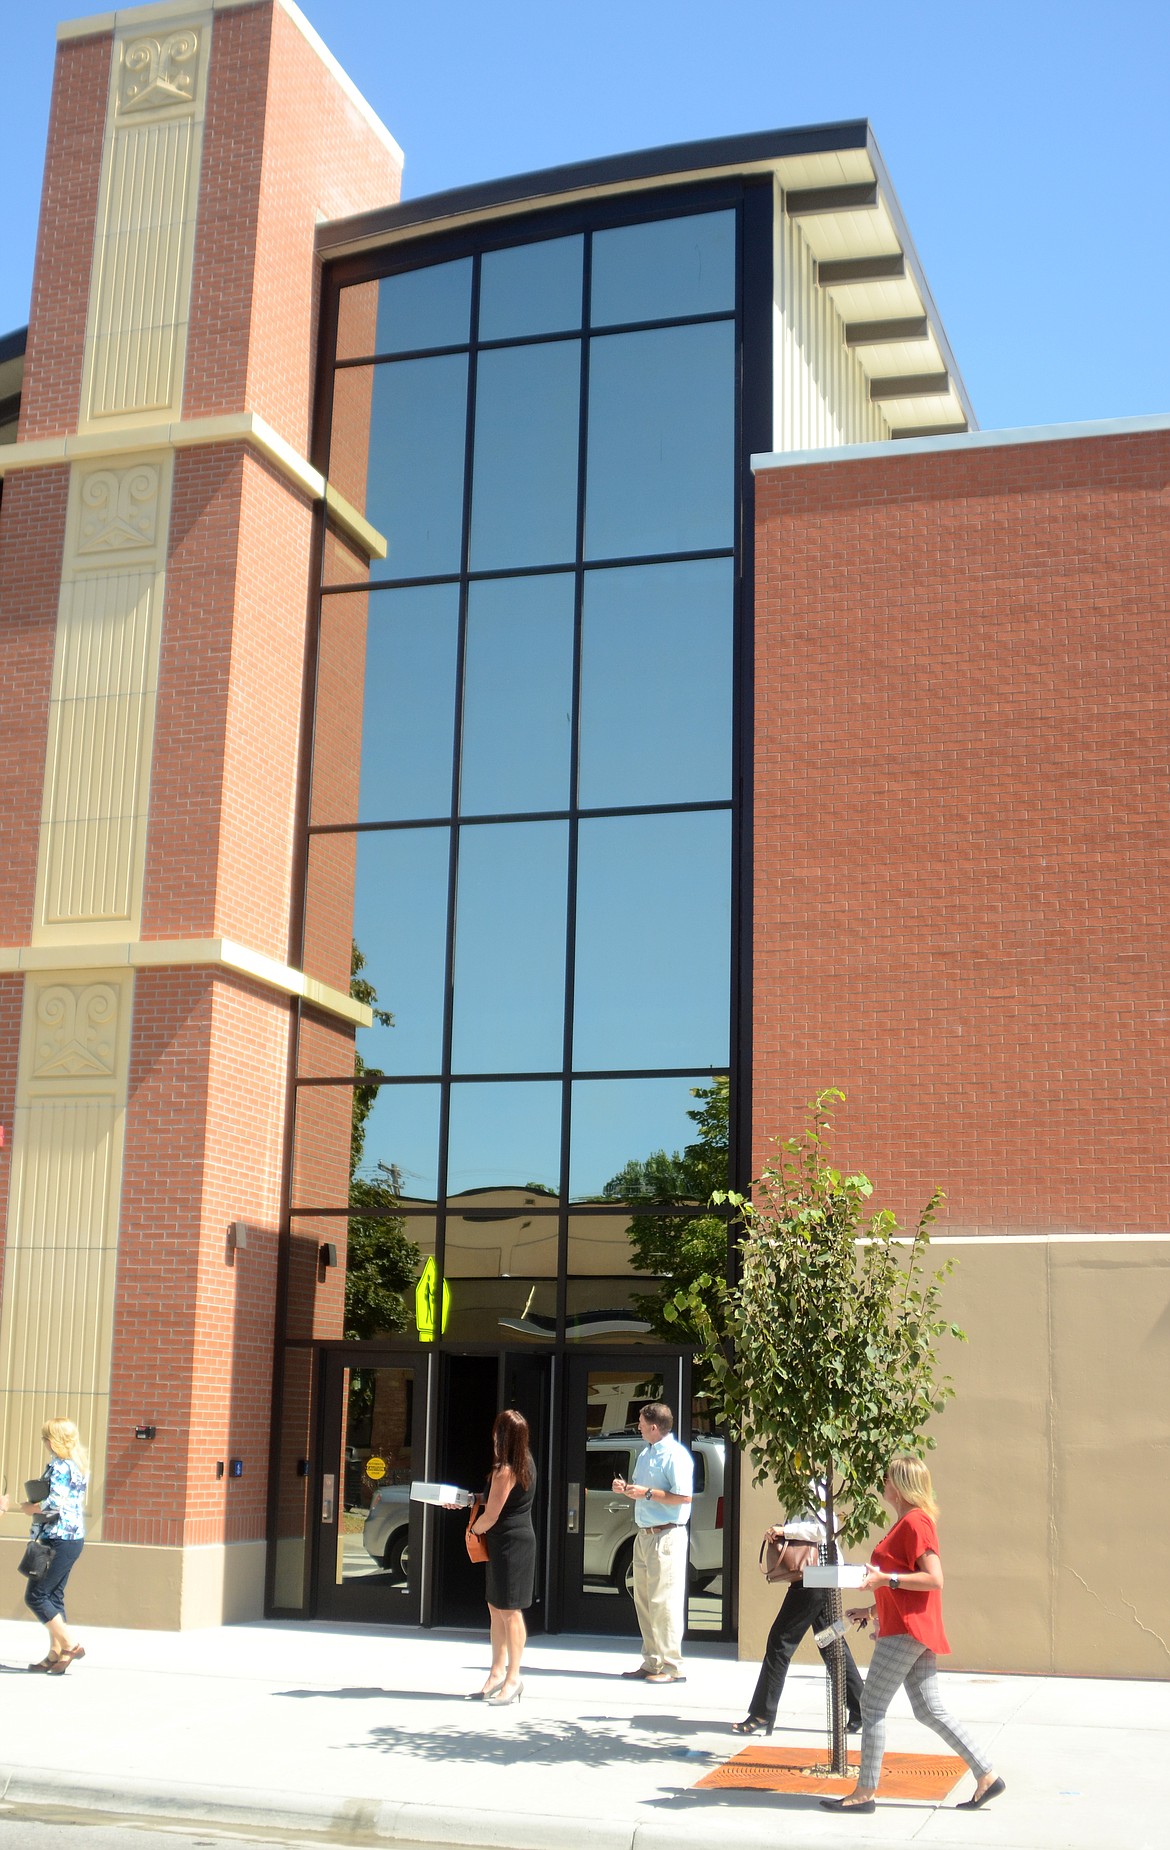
(660, 1490)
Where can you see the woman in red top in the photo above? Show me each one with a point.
(906, 1575)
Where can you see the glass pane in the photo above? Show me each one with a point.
(424, 308)
(395, 670)
(653, 941)
(329, 897)
(401, 1142)
(357, 319)
(374, 1532)
(506, 1240)
(661, 442)
(518, 695)
(533, 289)
(527, 417)
(295, 1497)
(502, 1310)
(400, 929)
(505, 1137)
(676, 266)
(417, 443)
(612, 1444)
(604, 1310)
(510, 948)
(656, 668)
(385, 1256)
(322, 1145)
(626, 1132)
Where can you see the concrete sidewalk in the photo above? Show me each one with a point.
(361, 1734)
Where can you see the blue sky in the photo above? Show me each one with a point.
(1027, 143)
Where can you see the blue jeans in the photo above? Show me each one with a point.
(46, 1596)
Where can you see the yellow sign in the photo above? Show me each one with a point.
(424, 1303)
(375, 1468)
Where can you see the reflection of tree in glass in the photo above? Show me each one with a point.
(381, 1262)
(678, 1246)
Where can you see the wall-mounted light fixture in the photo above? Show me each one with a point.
(238, 1236)
(327, 1255)
(145, 1432)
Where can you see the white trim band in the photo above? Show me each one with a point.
(965, 440)
(203, 953)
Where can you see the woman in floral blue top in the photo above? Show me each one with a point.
(59, 1519)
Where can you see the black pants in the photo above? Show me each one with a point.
(46, 1596)
(803, 1608)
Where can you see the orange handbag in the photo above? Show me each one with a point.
(477, 1548)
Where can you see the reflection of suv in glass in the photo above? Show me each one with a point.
(609, 1520)
(386, 1532)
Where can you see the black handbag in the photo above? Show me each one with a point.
(36, 1560)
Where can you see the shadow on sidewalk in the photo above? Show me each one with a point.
(484, 1741)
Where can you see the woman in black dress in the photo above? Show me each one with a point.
(506, 1524)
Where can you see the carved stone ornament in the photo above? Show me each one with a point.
(159, 72)
(119, 509)
(76, 1032)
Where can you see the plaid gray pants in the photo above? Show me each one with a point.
(896, 1661)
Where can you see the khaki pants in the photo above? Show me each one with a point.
(660, 1595)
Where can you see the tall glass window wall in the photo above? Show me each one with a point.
(529, 839)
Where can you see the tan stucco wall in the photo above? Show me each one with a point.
(169, 1589)
(1052, 1467)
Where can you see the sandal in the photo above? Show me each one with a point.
(65, 1658)
(752, 1724)
(46, 1663)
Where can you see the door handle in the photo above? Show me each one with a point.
(573, 1519)
(328, 1495)
(616, 1509)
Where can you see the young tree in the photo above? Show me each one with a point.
(822, 1354)
(381, 1260)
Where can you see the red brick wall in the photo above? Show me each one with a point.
(32, 535)
(227, 733)
(51, 392)
(194, 1319)
(282, 146)
(961, 832)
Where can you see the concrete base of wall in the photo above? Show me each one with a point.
(163, 1589)
(1055, 1506)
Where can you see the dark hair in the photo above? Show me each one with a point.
(510, 1445)
(659, 1414)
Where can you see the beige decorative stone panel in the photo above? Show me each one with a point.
(141, 282)
(101, 718)
(56, 1319)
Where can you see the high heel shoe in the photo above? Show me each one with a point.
(482, 1695)
(64, 1659)
(46, 1663)
(752, 1724)
(500, 1701)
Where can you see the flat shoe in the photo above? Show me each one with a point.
(641, 1672)
(664, 1676)
(993, 1791)
(862, 1805)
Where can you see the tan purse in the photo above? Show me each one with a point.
(782, 1561)
(477, 1548)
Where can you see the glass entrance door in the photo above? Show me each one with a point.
(604, 1397)
(371, 1539)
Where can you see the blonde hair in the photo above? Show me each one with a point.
(63, 1439)
(911, 1480)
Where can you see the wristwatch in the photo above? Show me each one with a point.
(895, 1582)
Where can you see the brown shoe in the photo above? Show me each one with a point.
(46, 1663)
(62, 1662)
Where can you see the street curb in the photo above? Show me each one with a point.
(43, 1789)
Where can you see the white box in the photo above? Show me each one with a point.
(421, 1492)
(839, 1574)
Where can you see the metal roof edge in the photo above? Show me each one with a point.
(608, 171)
(967, 440)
